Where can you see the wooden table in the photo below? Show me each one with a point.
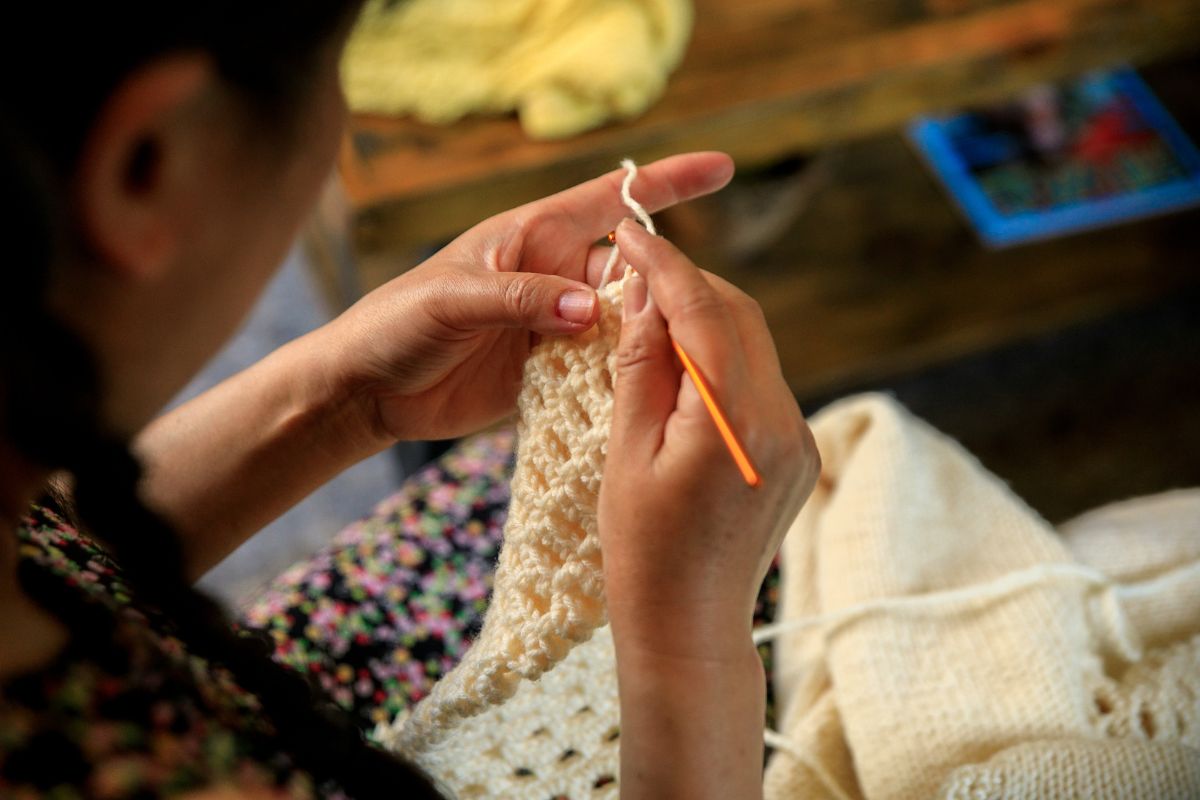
(880, 277)
(762, 79)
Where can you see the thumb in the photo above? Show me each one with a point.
(646, 384)
(546, 304)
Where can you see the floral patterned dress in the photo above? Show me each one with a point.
(376, 618)
(124, 710)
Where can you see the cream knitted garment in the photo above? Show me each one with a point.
(957, 646)
(564, 65)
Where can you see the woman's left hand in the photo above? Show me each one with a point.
(439, 351)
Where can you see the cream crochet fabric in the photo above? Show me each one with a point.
(557, 737)
(548, 592)
(947, 642)
(564, 65)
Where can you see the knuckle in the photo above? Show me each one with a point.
(442, 296)
(748, 306)
(520, 296)
(529, 219)
(766, 444)
(749, 315)
(633, 352)
(789, 449)
(801, 455)
(506, 254)
(738, 300)
(701, 305)
(710, 447)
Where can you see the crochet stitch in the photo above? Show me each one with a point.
(549, 586)
(557, 737)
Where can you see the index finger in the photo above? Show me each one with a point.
(697, 316)
(596, 207)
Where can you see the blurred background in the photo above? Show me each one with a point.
(988, 208)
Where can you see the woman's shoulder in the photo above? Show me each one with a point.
(124, 709)
(53, 543)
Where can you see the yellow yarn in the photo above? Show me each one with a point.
(564, 65)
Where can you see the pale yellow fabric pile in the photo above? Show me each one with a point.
(962, 648)
(564, 65)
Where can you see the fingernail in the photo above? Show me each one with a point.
(634, 296)
(577, 305)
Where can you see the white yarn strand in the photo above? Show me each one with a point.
(606, 277)
(631, 171)
(950, 599)
(996, 589)
(956, 599)
(639, 211)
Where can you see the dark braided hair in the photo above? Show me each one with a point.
(265, 51)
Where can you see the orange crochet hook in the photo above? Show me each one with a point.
(744, 464)
(732, 443)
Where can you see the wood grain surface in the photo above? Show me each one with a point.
(762, 78)
(881, 276)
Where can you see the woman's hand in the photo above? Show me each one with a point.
(440, 351)
(686, 542)
(436, 353)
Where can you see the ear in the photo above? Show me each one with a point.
(132, 181)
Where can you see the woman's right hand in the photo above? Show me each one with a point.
(686, 541)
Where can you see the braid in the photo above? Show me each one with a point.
(59, 427)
